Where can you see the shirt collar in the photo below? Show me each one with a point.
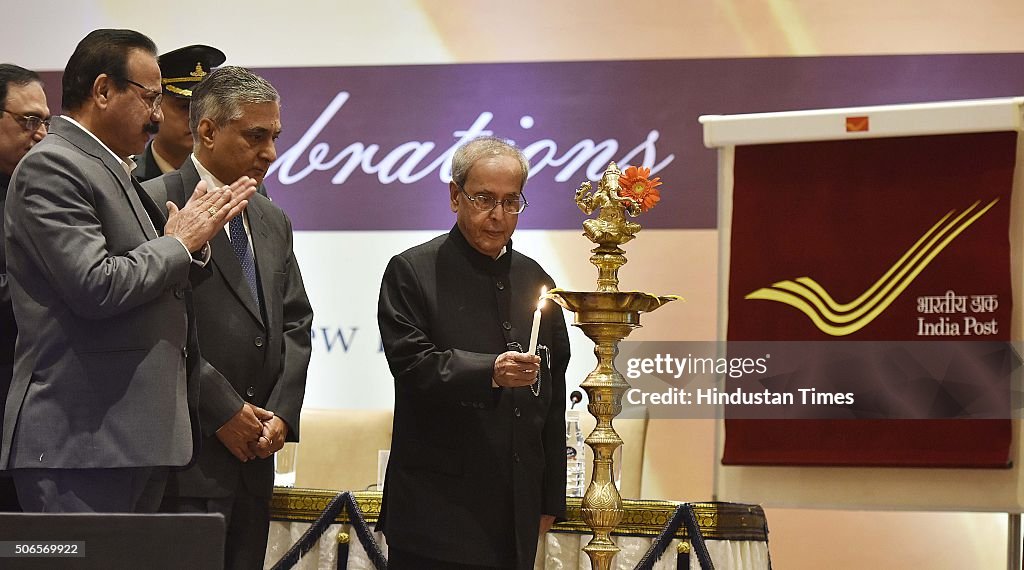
(204, 174)
(127, 164)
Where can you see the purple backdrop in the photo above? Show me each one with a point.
(368, 148)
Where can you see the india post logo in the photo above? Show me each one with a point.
(840, 319)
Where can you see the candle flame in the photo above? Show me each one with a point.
(540, 302)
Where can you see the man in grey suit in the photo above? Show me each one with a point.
(99, 407)
(24, 118)
(253, 317)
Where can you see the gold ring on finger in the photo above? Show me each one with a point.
(212, 211)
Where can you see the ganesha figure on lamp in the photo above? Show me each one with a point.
(617, 194)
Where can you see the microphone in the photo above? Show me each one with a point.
(575, 397)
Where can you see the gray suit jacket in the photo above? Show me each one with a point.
(260, 353)
(101, 298)
(8, 327)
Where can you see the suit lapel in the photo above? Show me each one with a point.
(223, 256)
(262, 247)
(154, 211)
(90, 146)
(231, 271)
(189, 179)
(147, 223)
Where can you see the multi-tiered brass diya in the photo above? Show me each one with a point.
(607, 316)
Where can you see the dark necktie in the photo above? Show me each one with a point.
(240, 244)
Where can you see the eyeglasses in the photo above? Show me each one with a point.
(486, 202)
(153, 98)
(31, 123)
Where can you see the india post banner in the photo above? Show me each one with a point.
(886, 239)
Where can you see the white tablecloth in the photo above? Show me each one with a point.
(559, 551)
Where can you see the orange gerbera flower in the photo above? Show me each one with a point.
(635, 186)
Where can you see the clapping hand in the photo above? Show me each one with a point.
(207, 211)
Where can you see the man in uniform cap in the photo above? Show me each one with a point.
(181, 70)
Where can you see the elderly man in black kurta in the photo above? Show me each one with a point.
(477, 467)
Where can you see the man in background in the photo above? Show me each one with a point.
(477, 467)
(100, 403)
(181, 70)
(24, 118)
(253, 317)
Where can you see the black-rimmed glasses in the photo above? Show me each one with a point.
(30, 123)
(486, 202)
(154, 98)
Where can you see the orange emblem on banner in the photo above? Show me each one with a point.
(856, 124)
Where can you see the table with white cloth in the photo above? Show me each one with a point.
(736, 535)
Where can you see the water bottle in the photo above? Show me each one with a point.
(575, 468)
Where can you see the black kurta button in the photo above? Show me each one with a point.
(184, 351)
(179, 292)
(506, 325)
(258, 341)
(515, 457)
(500, 285)
(516, 412)
(250, 391)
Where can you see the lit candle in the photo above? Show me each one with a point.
(535, 330)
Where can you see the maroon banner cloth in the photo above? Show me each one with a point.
(909, 238)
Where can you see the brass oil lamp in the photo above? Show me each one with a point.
(607, 316)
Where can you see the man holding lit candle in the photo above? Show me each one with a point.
(477, 467)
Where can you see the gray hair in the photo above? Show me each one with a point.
(482, 147)
(222, 94)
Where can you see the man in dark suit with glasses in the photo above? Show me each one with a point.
(24, 118)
